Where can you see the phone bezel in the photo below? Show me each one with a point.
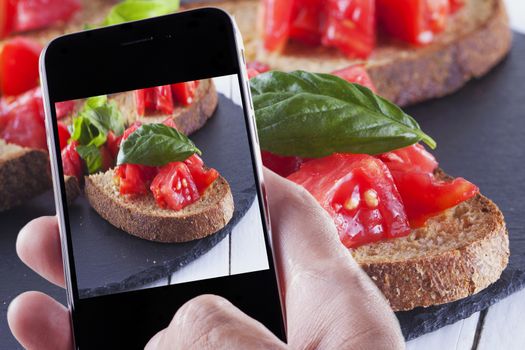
(80, 53)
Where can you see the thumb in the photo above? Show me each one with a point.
(330, 302)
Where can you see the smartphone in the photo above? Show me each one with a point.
(157, 176)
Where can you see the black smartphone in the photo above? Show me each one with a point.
(157, 176)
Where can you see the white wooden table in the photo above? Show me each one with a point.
(499, 327)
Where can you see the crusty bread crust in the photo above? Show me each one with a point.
(24, 173)
(141, 217)
(455, 255)
(188, 119)
(476, 39)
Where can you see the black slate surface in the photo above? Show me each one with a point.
(480, 133)
(480, 137)
(108, 260)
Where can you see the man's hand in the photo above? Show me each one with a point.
(330, 302)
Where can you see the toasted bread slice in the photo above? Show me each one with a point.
(24, 173)
(188, 119)
(477, 38)
(456, 254)
(141, 216)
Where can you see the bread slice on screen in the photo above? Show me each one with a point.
(477, 37)
(456, 254)
(142, 217)
(187, 118)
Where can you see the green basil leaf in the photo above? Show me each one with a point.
(92, 156)
(155, 145)
(314, 115)
(132, 10)
(86, 133)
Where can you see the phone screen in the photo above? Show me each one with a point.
(168, 187)
(155, 168)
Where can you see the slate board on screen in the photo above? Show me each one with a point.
(479, 131)
(108, 260)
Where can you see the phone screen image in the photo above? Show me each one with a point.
(162, 188)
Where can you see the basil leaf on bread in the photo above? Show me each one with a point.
(155, 145)
(314, 115)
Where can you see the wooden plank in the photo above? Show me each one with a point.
(459, 336)
(503, 327)
(248, 249)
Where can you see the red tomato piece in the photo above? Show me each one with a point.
(63, 135)
(356, 74)
(130, 130)
(71, 161)
(64, 109)
(170, 122)
(306, 21)
(358, 191)
(113, 144)
(19, 66)
(411, 158)
(413, 21)
(281, 165)
(184, 93)
(7, 17)
(24, 124)
(424, 196)
(134, 179)
(37, 14)
(455, 5)
(202, 176)
(173, 187)
(154, 100)
(258, 66)
(277, 16)
(350, 27)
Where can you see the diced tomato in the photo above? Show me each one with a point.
(113, 144)
(414, 21)
(134, 179)
(71, 161)
(164, 99)
(130, 130)
(411, 158)
(63, 135)
(203, 177)
(358, 191)
(170, 122)
(258, 66)
(154, 100)
(350, 26)
(281, 165)
(107, 158)
(455, 5)
(255, 68)
(277, 15)
(37, 14)
(64, 109)
(174, 187)
(24, 123)
(306, 21)
(184, 93)
(424, 196)
(7, 17)
(19, 66)
(356, 74)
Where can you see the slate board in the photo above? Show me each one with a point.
(479, 131)
(480, 134)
